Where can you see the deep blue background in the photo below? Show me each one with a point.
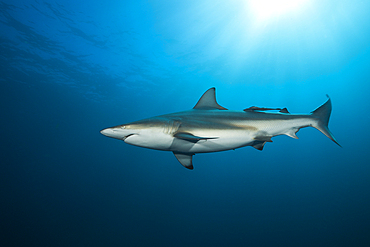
(70, 69)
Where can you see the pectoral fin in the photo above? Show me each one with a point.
(191, 138)
(186, 159)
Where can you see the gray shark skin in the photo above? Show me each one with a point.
(209, 127)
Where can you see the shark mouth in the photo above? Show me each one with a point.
(125, 137)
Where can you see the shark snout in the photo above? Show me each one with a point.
(117, 133)
(107, 132)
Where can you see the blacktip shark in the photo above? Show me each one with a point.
(209, 127)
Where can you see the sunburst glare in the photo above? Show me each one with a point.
(267, 9)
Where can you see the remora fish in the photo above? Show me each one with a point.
(209, 127)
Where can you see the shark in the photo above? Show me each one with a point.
(209, 127)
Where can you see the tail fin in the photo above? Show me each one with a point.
(322, 114)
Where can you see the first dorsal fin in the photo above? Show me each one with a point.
(208, 101)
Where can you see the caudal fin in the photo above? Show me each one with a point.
(322, 114)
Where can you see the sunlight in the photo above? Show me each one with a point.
(267, 9)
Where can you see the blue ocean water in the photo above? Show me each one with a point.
(69, 69)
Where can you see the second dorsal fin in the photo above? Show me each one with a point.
(208, 101)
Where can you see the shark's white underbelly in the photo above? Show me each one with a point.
(223, 140)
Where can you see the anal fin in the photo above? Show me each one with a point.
(185, 159)
(292, 133)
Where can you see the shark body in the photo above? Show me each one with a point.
(209, 127)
